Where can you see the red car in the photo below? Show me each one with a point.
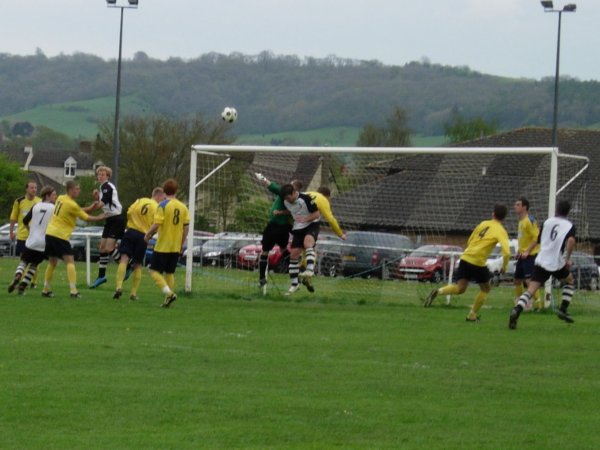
(429, 262)
(249, 256)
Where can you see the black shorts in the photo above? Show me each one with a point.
(298, 235)
(524, 268)
(133, 245)
(57, 248)
(32, 256)
(471, 272)
(114, 227)
(275, 234)
(541, 275)
(164, 262)
(19, 247)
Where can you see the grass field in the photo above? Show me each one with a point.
(225, 368)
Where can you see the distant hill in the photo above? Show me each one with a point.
(275, 93)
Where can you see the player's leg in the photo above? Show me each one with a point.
(484, 290)
(463, 274)
(568, 290)
(538, 278)
(294, 267)
(103, 260)
(28, 277)
(121, 269)
(136, 280)
(48, 276)
(18, 275)
(71, 275)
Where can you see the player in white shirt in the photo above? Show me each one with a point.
(557, 241)
(37, 221)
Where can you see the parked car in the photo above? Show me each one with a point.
(223, 249)
(370, 253)
(199, 238)
(585, 271)
(495, 261)
(7, 247)
(329, 255)
(428, 263)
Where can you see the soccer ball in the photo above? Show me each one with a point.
(229, 114)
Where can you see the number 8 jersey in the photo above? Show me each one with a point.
(172, 216)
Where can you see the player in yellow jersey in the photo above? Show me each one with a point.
(140, 217)
(20, 209)
(58, 233)
(528, 232)
(472, 265)
(171, 221)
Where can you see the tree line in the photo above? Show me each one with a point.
(279, 93)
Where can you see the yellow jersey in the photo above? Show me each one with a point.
(528, 232)
(172, 216)
(140, 215)
(482, 241)
(66, 212)
(20, 208)
(324, 207)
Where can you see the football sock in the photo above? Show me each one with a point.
(262, 266)
(48, 275)
(451, 289)
(120, 275)
(519, 290)
(310, 259)
(294, 269)
(136, 279)
(116, 254)
(160, 282)
(31, 271)
(72, 277)
(102, 263)
(523, 300)
(20, 270)
(478, 303)
(170, 279)
(567, 295)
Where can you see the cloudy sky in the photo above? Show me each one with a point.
(501, 37)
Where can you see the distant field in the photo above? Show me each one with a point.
(78, 119)
(226, 368)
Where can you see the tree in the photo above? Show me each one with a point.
(395, 133)
(22, 129)
(154, 149)
(459, 129)
(12, 184)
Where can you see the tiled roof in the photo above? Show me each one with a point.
(50, 158)
(442, 194)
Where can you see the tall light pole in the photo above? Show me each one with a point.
(549, 7)
(132, 4)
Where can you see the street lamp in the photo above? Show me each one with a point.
(132, 4)
(549, 7)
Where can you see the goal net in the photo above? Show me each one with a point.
(407, 213)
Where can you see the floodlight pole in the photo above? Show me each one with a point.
(116, 140)
(549, 7)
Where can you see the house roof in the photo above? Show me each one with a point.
(51, 158)
(439, 193)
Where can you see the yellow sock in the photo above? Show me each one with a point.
(136, 279)
(160, 282)
(72, 277)
(48, 275)
(170, 279)
(120, 275)
(34, 279)
(477, 304)
(519, 290)
(451, 289)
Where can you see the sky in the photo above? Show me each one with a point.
(512, 38)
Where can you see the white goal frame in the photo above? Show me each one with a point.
(553, 152)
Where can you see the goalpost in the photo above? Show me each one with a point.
(433, 195)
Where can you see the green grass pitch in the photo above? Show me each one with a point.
(359, 364)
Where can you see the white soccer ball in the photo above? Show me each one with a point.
(229, 114)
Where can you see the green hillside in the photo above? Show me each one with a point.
(330, 137)
(79, 119)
